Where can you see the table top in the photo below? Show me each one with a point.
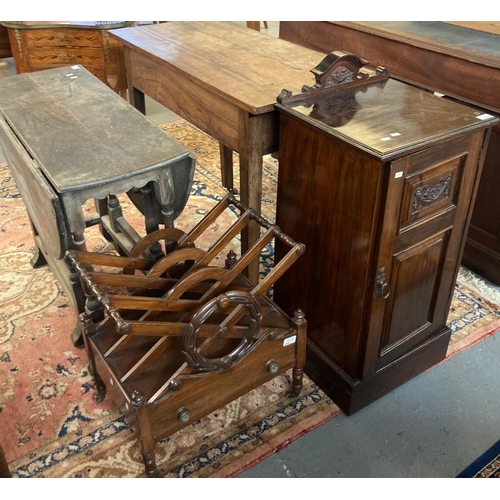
(241, 65)
(388, 117)
(457, 41)
(80, 132)
(94, 25)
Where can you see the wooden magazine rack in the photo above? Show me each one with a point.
(181, 336)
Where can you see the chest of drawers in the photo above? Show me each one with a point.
(37, 46)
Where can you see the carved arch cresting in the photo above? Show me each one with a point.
(337, 70)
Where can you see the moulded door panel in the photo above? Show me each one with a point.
(410, 317)
(419, 248)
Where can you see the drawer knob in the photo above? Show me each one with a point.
(272, 366)
(183, 415)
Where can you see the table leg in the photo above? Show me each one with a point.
(226, 165)
(251, 186)
(138, 100)
(38, 259)
(150, 207)
(254, 25)
(76, 223)
(135, 96)
(89, 304)
(4, 467)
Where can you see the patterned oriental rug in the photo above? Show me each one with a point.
(49, 424)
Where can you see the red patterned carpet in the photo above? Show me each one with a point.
(49, 424)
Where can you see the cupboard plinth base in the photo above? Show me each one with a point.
(353, 395)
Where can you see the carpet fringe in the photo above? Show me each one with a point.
(478, 284)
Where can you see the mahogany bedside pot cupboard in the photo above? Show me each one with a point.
(379, 179)
(454, 60)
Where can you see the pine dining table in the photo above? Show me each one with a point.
(223, 78)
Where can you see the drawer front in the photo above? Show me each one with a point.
(54, 57)
(63, 38)
(200, 396)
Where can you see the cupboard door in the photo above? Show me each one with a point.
(426, 213)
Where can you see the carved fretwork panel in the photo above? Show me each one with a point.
(426, 195)
(429, 193)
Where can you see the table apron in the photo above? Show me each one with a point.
(201, 107)
(268, 126)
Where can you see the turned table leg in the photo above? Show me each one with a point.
(86, 327)
(84, 299)
(146, 439)
(300, 324)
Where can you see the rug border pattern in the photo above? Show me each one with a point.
(486, 466)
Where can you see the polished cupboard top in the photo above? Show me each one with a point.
(387, 117)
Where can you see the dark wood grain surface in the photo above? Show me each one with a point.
(73, 116)
(389, 117)
(479, 46)
(5, 50)
(383, 226)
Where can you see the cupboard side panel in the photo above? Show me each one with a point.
(328, 197)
